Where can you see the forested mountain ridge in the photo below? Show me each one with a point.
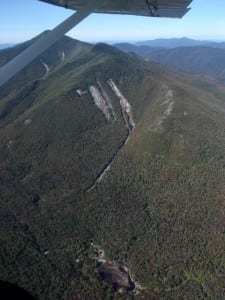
(112, 178)
(204, 60)
(180, 42)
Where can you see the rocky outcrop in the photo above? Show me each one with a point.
(125, 106)
(80, 92)
(106, 97)
(112, 272)
(117, 274)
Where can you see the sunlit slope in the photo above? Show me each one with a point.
(60, 53)
(167, 188)
(137, 170)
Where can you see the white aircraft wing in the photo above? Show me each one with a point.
(152, 8)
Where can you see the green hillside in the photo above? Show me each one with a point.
(108, 162)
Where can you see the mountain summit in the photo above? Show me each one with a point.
(112, 178)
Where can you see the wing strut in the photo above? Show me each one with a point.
(28, 55)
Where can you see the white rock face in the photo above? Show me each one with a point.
(62, 56)
(102, 102)
(80, 93)
(125, 106)
(27, 122)
(104, 94)
(168, 102)
(47, 69)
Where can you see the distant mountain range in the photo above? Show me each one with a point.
(206, 59)
(111, 177)
(180, 42)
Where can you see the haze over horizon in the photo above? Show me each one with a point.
(23, 20)
(113, 42)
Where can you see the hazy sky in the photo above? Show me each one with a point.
(23, 19)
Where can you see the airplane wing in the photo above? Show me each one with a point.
(149, 8)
